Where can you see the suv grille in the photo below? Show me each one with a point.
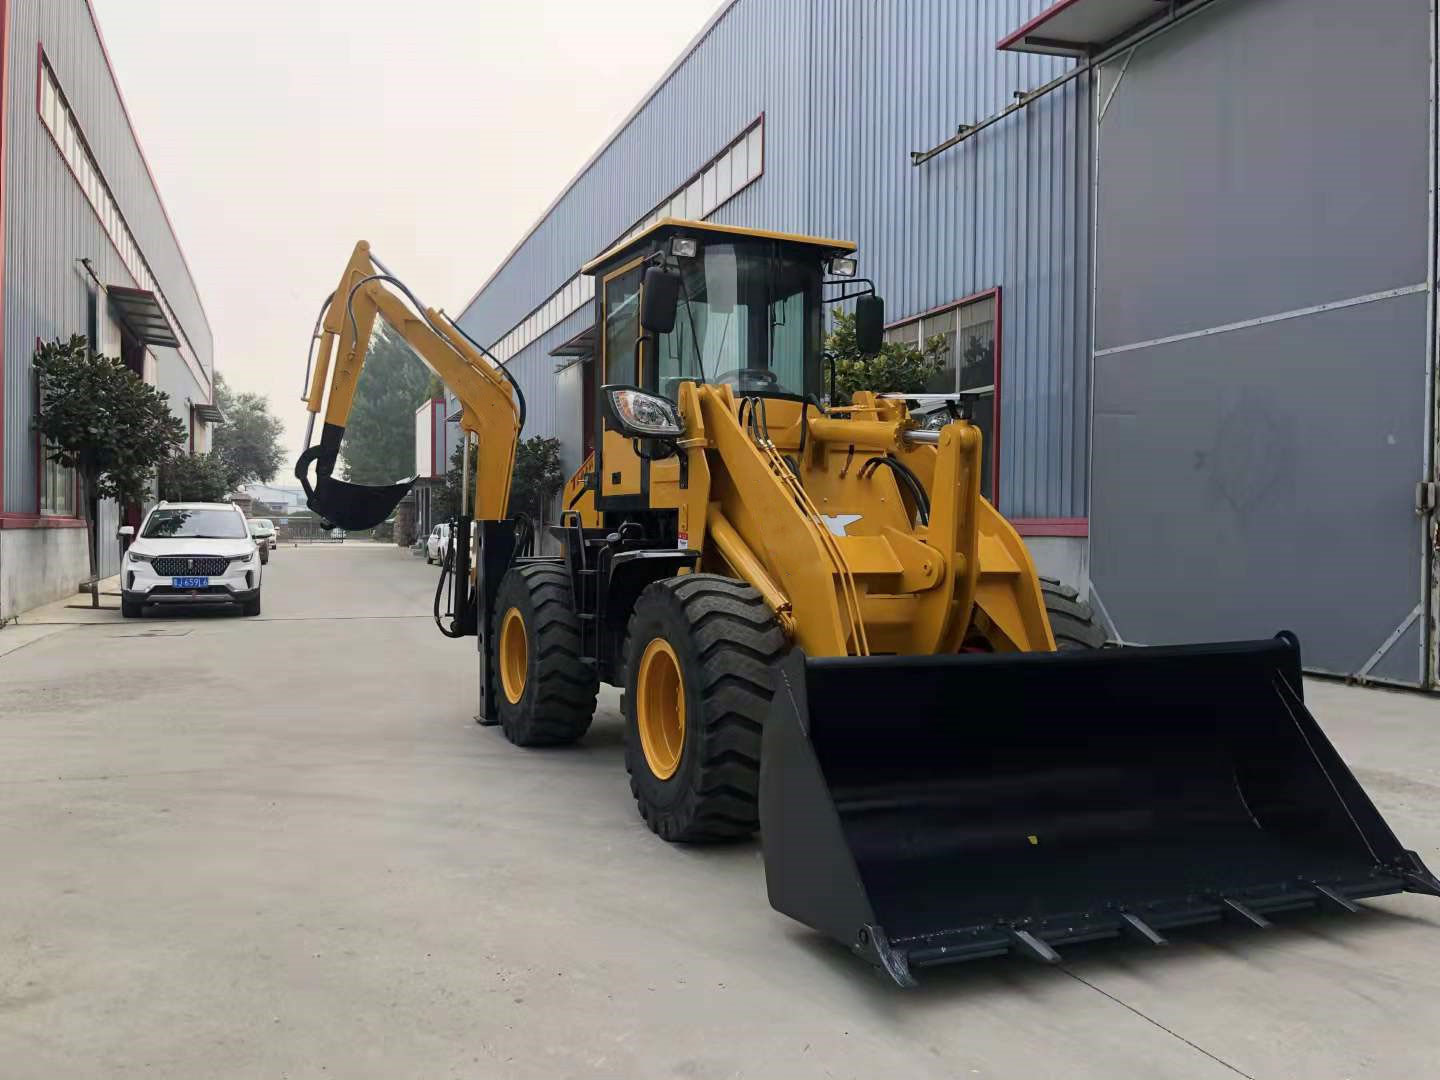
(186, 565)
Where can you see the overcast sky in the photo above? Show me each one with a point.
(282, 131)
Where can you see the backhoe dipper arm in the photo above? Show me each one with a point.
(492, 407)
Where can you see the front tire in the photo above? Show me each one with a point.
(1072, 621)
(251, 607)
(699, 674)
(544, 691)
(131, 609)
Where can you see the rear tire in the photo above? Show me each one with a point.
(1071, 619)
(131, 609)
(724, 641)
(549, 697)
(251, 607)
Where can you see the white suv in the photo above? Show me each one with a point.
(190, 553)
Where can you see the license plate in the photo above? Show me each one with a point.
(192, 582)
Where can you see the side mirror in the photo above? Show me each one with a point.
(639, 415)
(659, 300)
(869, 324)
(125, 532)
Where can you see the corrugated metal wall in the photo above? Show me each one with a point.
(847, 91)
(50, 226)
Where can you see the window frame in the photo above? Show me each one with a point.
(994, 293)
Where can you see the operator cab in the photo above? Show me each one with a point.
(748, 309)
(689, 301)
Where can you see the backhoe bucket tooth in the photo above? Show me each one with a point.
(356, 506)
(926, 810)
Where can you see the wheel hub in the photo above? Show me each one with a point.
(514, 655)
(660, 708)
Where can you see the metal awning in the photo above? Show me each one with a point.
(211, 414)
(1085, 27)
(140, 311)
(582, 344)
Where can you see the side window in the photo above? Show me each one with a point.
(622, 325)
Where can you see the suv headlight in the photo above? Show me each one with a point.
(135, 556)
(246, 557)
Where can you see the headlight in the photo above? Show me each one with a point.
(246, 557)
(843, 268)
(640, 414)
(135, 556)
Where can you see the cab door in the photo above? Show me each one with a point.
(621, 474)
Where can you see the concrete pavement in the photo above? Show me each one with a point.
(280, 847)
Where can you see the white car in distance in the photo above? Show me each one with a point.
(437, 544)
(190, 553)
(263, 530)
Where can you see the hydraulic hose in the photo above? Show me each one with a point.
(904, 473)
(423, 313)
(447, 572)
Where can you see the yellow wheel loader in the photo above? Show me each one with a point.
(822, 631)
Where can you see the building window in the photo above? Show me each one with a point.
(57, 488)
(60, 121)
(972, 366)
(718, 180)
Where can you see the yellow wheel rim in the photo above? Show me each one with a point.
(660, 708)
(514, 655)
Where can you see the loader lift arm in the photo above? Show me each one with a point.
(492, 405)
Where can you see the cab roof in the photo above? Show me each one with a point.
(663, 229)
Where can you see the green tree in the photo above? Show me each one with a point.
(196, 478)
(249, 441)
(98, 418)
(538, 476)
(380, 434)
(898, 368)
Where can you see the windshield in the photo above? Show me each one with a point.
(194, 525)
(749, 316)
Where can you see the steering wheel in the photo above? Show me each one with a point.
(741, 376)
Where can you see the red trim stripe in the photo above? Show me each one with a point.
(1052, 526)
(1039, 20)
(40, 521)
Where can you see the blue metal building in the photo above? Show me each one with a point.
(87, 248)
(1194, 261)
(800, 116)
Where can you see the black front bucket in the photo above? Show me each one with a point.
(926, 810)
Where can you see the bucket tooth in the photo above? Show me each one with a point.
(1139, 928)
(1332, 897)
(1033, 947)
(1246, 914)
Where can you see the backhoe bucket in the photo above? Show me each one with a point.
(356, 506)
(926, 810)
(351, 506)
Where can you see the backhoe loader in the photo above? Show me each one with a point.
(823, 631)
